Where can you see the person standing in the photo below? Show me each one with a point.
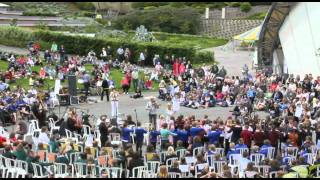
(114, 102)
(152, 107)
(105, 88)
(120, 53)
(54, 50)
(135, 78)
(141, 59)
(86, 83)
(139, 132)
(62, 54)
(104, 127)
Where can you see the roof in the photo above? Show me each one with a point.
(269, 35)
(3, 5)
(251, 35)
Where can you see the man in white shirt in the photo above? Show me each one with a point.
(141, 59)
(243, 163)
(43, 136)
(120, 53)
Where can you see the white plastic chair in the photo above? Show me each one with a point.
(35, 124)
(60, 170)
(174, 175)
(289, 159)
(242, 150)
(270, 152)
(210, 160)
(181, 153)
(198, 168)
(220, 151)
(263, 170)
(217, 166)
(197, 150)
(11, 167)
(38, 171)
(310, 158)
(295, 151)
(138, 172)
(153, 166)
(52, 125)
(86, 130)
(114, 172)
(257, 158)
(170, 161)
(3, 166)
(68, 134)
(273, 174)
(233, 162)
(250, 174)
(318, 172)
(115, 138)
(81, 170)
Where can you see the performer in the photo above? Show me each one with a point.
(114, 102)
(152, 106)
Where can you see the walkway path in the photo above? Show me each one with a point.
(233, 61)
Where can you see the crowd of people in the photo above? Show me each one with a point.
(246, 144)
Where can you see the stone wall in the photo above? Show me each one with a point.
(226, 28)
(236, 13)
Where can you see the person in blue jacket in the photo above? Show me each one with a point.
(182, 135)
(264, 147)
(214, 135)
(126, 134)
(194, 130)
(240, 145)
(153, 137)
(139, 132)
(232, 150)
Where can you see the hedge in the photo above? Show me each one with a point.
(15, 36)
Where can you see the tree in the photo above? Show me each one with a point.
(245, 7)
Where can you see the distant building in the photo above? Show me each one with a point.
(289, 41)
(4, 7)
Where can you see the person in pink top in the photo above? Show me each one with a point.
(176, 66)
(182, 68)
(42, 73)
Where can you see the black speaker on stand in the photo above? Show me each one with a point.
(72, 88)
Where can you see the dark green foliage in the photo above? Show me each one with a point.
(14, 36)
(203, 57)
(245, 7)
(165, 19)
(88, 6)
(235, 4)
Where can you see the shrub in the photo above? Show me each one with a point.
(166, 19)
(245, 7)
(203, 57)
(88, 6)
(235, 4)
(81, 45)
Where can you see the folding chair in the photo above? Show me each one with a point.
(174, 175)
(60, 170)
(38, 171)
(114, 172)
(256, 158)
(139, 172)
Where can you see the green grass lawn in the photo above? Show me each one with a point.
(24, 82)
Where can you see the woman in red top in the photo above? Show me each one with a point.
(125, 85)
(182, 68)
(176, 66)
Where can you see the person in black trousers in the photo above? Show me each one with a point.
(105, 88)
(104, 130)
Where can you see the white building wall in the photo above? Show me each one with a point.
(299, 37)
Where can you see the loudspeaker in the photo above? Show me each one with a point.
(72, 85)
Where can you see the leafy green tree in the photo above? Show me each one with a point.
(245, 7)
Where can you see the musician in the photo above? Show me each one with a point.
(64, 95)
(74, 122)
(40, 109)
(152, 107)
(105, 88)
(114, 102)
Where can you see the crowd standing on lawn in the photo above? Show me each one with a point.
(172, 144)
